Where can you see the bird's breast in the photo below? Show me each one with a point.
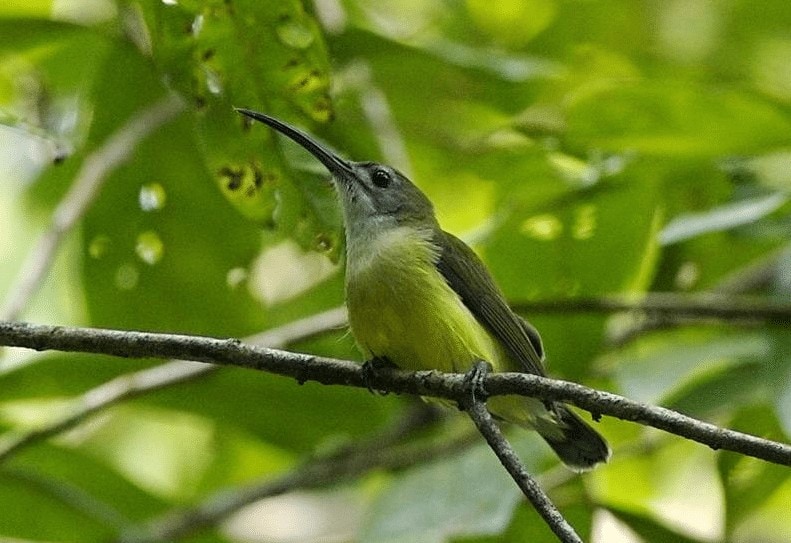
(401, 307)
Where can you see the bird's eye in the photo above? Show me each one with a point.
(381, 178)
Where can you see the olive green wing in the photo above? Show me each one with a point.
(469, 278)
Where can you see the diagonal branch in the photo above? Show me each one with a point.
(527, 484)
(123, 387)
(132, 385)
(357, 459)
(95, 169)
(303, 367)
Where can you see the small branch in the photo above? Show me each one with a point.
(301, 329)
(87, 183)
(72, 495)
(135, 384)
(606, 403)
(526, 483)
(757, 276)
(324, 471)
(124, 387)
(328, 371)
(677, 306)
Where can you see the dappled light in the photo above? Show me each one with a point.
(621, 167)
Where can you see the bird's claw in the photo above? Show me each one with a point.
(370, 367)
(474, 380)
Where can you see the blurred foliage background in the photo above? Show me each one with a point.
(583, 147)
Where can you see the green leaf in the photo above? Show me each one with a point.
(28, 35)
(164, 266)
(772, 170)
(770, 522)
(466, 495)
(555, 252)
(527, 525)
(749, 484)
(657, 366)
(512, 22)
(203, 49)
(46, 70)
(33, 8)
(649, 529)
(55, 494)
(26, 499)
(675, 484)
(778, 376)
(278, 410)
(683, 120)
(760, 377)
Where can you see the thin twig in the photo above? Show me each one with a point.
(754, 277)
(301, 329)
(96, 167)
(757, 276)
(123, 387)
(303, 367)
(66, 492)
(668, 304)
(357, 460)
(132, 385)
(526, 483)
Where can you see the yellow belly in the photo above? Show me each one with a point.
(400, 307)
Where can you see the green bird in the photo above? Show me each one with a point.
(421, 299)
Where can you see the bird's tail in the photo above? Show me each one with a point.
(578, 445)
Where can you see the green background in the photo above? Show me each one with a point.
(584, 148)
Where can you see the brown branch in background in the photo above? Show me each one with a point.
(301, 329)
(329, 371)
(678, 306)
(355, 460)
(132, 385)
(724, 302)
(95, 168)
(660, 310)
(63, 491)
(123, 387)
(758, 276)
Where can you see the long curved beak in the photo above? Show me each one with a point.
(337, 166)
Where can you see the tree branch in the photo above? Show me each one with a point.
(87, 183)
(303, 367)
(135, 384)
(76, 497)
(605, 403)
(123, 387)
(354, 461)
(678, 306)
(477, 411)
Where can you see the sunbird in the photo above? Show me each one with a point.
(420, 299)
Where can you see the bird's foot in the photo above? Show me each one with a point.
(474, 380)
(370, 367)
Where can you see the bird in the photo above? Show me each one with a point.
(419, 298)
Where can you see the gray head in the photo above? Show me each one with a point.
(369, 192)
